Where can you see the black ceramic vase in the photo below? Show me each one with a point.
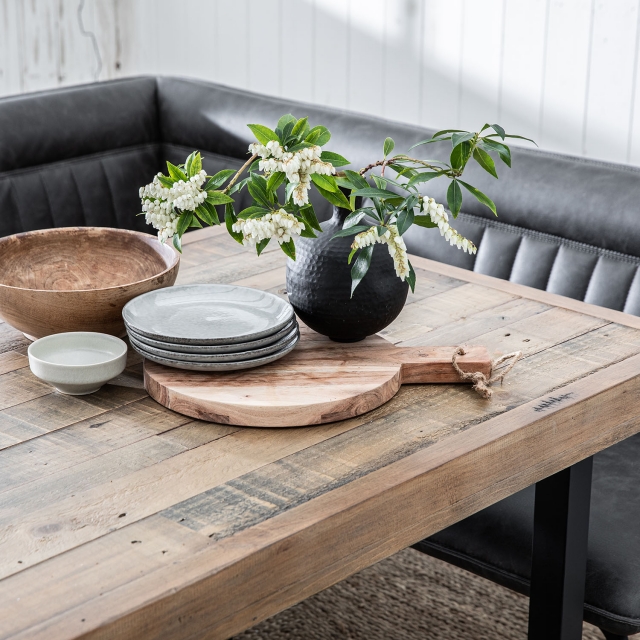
(319, 286)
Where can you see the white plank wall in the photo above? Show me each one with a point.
(564, 72)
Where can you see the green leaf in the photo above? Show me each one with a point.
(263, 134)
(318, 135)
(257, 186)
(437, 134)
(230, 219)
(459, 138)
(196, 165)
(307, 232)
(253, 212)
(203, 213)
(184, 222)
(275, 180)
(503, 150)
(188, 162)
(217, 197)
(360, 267)
(353, 218)
(195, 223)
(334, 197)
(485, 161)
(381, 183)
(289, 248)
(300, 145)
(405, 220)
(286, 132)
(176, 173)
(309, 217)
(356, 179)
(324, 182)
(334, 158)
(372, 192)
(238, 186)
(436, 137)
(481, 197)
(288, 190)
(460, 155)
(353, 252)
(411, 278)
(261, 245)
(425, 176)
(499, 130)
(165, 182)
(285, 120)
(177, 243)
(454, 197)
(388, 146)
(301, 128)
(218, 179)
(509, 135)
(212, 212)
(424, 220)
(351, 231)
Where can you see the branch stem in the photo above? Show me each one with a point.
(239, 172)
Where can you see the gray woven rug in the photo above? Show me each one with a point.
(408, 596)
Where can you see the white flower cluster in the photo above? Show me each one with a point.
(159, 203)
(394, 242)
(280, 225)
(439, 216)
(297, 166)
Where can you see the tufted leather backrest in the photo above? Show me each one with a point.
(79, 155)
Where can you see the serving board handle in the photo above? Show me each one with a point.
(422, 365)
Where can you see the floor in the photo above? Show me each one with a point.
(408, 596)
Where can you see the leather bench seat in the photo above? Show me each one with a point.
(568, 225)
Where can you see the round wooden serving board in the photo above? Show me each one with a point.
(319, 381)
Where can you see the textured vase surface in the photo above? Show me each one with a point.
(319, 286)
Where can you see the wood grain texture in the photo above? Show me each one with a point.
(122, 519)
(78, 278)
(319, 381)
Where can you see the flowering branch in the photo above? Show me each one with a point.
(292, 156)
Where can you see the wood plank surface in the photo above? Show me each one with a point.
(120, 518)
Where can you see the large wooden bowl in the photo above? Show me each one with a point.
(78, 278)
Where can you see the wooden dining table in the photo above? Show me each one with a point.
(122, 519)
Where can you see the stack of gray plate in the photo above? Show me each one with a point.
(211, 327)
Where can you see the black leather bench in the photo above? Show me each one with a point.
(569, 225)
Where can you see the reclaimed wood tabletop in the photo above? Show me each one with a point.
(122, 519)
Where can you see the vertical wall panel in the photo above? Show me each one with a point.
(608, 104)
(330, 71)
(366, 56)
(481, 62)
(297, 50)
(403, 21)
(566, 74)
(441, 49)
(10, 49)
(266, 46)
(523, 66)
(232, 43)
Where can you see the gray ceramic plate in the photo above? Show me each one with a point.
(213, 348)
(207, 314)
(219, 366)
(240, 356)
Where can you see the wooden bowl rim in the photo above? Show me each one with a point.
(175, 257)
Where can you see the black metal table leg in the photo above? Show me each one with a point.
(559, 565)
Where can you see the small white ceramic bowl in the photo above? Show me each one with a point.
(79, 362)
